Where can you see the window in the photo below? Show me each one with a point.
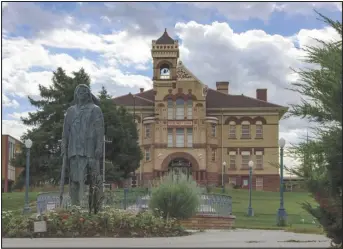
(189, 137)
(232, 130)
(245, 130)
(259, 183)
(245, 161)
(180, 109)
(232, 162)
(189, 109)
(259, 130)
(214, 154)
(147, 131)
(259, 161)
(170, 137)
(180, 137)
(213, 130)
(170, 109)
(147, 155)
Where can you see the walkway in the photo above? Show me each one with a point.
(234, 238)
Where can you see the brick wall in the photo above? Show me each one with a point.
(270, 182)
(209, 222)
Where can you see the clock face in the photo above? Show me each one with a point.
(165, 71)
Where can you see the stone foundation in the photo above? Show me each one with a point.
(209, 222)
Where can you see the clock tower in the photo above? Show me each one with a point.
(165, 53)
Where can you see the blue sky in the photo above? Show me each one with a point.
(253, 45)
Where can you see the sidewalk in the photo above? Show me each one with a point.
(213, 238)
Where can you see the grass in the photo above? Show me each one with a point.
(265, 205)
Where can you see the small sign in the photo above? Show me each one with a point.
(180, 123)
(39, 226)
(50, 206)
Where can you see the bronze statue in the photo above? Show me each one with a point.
(82, 147)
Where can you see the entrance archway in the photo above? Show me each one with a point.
(180, 162)
(180, 166)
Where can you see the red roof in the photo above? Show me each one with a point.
(214, 99)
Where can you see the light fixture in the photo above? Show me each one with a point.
(224, 163)
(282, 142)
(251, 164)
(28, 143)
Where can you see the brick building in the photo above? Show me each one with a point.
(186, 127)
(9, 147)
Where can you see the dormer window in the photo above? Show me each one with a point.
(164, 71)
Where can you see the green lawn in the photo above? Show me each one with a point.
(265, 205)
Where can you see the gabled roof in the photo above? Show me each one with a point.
(142, 99)
(215, 99)
(165, 39)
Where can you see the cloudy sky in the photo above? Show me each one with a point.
(252, 45)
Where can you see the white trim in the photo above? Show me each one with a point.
(259, 153)
(232, 123)
(258, 122)
(245, 123)
(245, 153)
(232, 153)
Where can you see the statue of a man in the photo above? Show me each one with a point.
(82, 142)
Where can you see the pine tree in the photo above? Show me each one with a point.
(321, 166)
(123, 151)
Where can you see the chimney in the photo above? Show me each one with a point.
(261, 94)
(141, 90)
(222, 86)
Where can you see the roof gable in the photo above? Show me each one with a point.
(215, 99)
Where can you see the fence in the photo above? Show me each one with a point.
(133, 200)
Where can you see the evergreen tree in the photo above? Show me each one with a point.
(123, 151)
(321, 166)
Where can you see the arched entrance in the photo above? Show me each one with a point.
(180, 162)
(180, 166)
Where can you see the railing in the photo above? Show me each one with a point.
(131, 200)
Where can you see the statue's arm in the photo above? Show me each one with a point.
(65, 133)
(99, 129)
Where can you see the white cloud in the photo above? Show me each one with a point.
(20, 55)
(14, 128)
(19, 115)
(263, 10)
(6, 102)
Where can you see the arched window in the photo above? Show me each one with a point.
(180, 108)
(259, 129)
(245, 130)
(164, 71)
(189, 109)
(232, 129)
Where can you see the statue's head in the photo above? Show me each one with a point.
(83, 94)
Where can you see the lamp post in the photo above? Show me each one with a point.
(223, 171)
(250, 210)
(28, 145)
(281, 213)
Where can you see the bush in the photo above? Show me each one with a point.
(78, 223)
(176, 197)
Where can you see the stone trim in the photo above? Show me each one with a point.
(189, 157)
(209, 222)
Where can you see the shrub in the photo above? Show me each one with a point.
(176, 197)
(78, 223)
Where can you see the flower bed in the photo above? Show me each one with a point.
(78, 223)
